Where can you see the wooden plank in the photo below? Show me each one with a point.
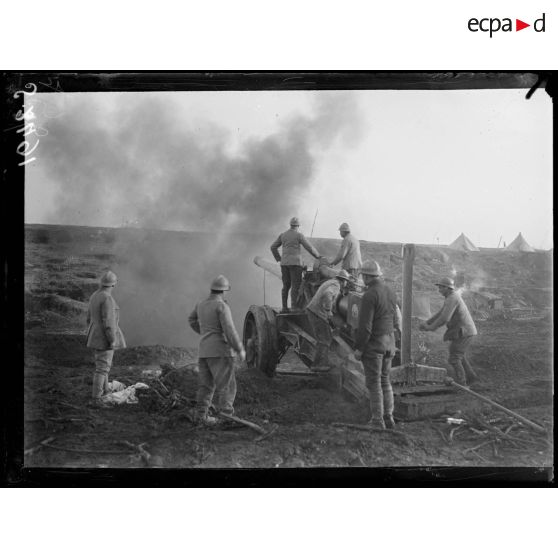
(345, 349)
(417, 373)
(422, 389)
(354, 383)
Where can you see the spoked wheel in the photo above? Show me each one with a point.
(260, 339)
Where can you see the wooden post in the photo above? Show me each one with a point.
(407, 302)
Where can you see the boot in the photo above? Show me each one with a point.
(456, 371)
(98, 386)
(202, 417)
(377, 423)
(389, 422)
(285, 302)
(470, 375)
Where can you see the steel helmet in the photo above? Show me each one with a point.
(343, 274)
(108, 279)
(220, 283)
(446, 282)
(295, 222)
(344, 227)
(372, 268)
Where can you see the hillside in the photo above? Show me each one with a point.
(163, 274)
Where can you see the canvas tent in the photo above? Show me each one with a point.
(519, 245)
(463, 243)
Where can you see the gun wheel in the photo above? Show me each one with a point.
(260, 339)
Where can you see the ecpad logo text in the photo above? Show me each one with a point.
(493, 25)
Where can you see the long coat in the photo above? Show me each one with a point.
(212, 319)
(102, 319)
(456, 316)
(378, 319)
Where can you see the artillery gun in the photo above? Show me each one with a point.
(269, 333)
(420, 390)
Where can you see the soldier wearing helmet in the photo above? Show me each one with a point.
(375, 343)
(460, 330)
(219, 342)
(320, 311)
(104, 335)
(291, 261)
(349, 253)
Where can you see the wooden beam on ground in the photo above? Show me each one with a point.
(523, 420)
(244, 422)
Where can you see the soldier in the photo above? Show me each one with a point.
(460, 330)
(375, 343)
(212, 319)
(349, 253)
(320, 312)
(291, 262)
(103, 333)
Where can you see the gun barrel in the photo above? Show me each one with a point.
(273, 268)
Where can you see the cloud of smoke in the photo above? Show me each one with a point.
(142, 163)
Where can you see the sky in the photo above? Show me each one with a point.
(398, 166)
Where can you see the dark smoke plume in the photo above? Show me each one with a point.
(142, 163)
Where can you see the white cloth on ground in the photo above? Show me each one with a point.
(124, 395)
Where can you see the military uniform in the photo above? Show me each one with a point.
(219, 341)
(319, 311)
(291, 262)
(375, 339)
(103, 335)
(349, 255)
(460, 332)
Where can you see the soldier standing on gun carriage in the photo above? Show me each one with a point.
(349, 253)
(291, 262)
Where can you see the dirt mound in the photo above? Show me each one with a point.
(62, 305)
(67, 349)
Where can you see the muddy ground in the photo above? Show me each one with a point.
(512, 354)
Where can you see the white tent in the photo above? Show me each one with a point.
(519, 245)
(463, 243)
